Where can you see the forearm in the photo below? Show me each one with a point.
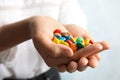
(15, 33)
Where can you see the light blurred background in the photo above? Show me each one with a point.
(104, 23)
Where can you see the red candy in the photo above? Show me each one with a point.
(69, 41)
(57, 31)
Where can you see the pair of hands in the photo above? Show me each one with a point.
(61, 56)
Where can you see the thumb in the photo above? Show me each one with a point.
(87, 51)
(55, 50)
(60, 50)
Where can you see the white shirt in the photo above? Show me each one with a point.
(23, 61)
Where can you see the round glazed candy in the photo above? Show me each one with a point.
(80, 45)
(69, 42)
(79, 39)
(57, 31)
(57, 35)
(64, 34)
(73, 47)
(56, 40)
(87, 42)
(72, 39)
(65, 43)
(62, 38)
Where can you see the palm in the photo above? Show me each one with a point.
(90, 52)
(42, 34)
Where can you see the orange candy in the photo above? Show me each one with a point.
(73, 47)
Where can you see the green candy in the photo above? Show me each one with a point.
(80, 45)
(79, 39)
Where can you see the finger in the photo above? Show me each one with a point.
(92, 61)
(53, 49)
(72, 66)
(98, 56)
(105, 45)
(82, 68)
(87, 51)
(65, 51)
(62, 68)
(82, 62)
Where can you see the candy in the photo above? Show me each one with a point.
(72, 39)
(62, 38)
(68, 37)
(65, 38)
(91, 42)
(69, 42)
(65, 43)
(80, 45)
(57, 31)
(79, 39)
(57, 35)
(56, 40)
(87, 42)
(64, 34)
(73, 47)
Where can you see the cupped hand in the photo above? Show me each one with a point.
(61, 56)
(88, 56)
(42, 33)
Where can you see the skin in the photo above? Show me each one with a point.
(90, 56)
(40, 30)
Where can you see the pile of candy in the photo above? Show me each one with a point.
(67, 39)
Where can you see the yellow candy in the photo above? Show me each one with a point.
(61, 41)
(65, 43)
(86, 41)
(57, 41)
(73, 39)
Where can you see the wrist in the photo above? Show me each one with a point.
(35, 25)
(14, 33)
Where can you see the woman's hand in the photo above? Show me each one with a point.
(42, 34)
(88, 56)
(61, 56)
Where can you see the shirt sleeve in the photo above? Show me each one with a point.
(7, 55)
(71, 13)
